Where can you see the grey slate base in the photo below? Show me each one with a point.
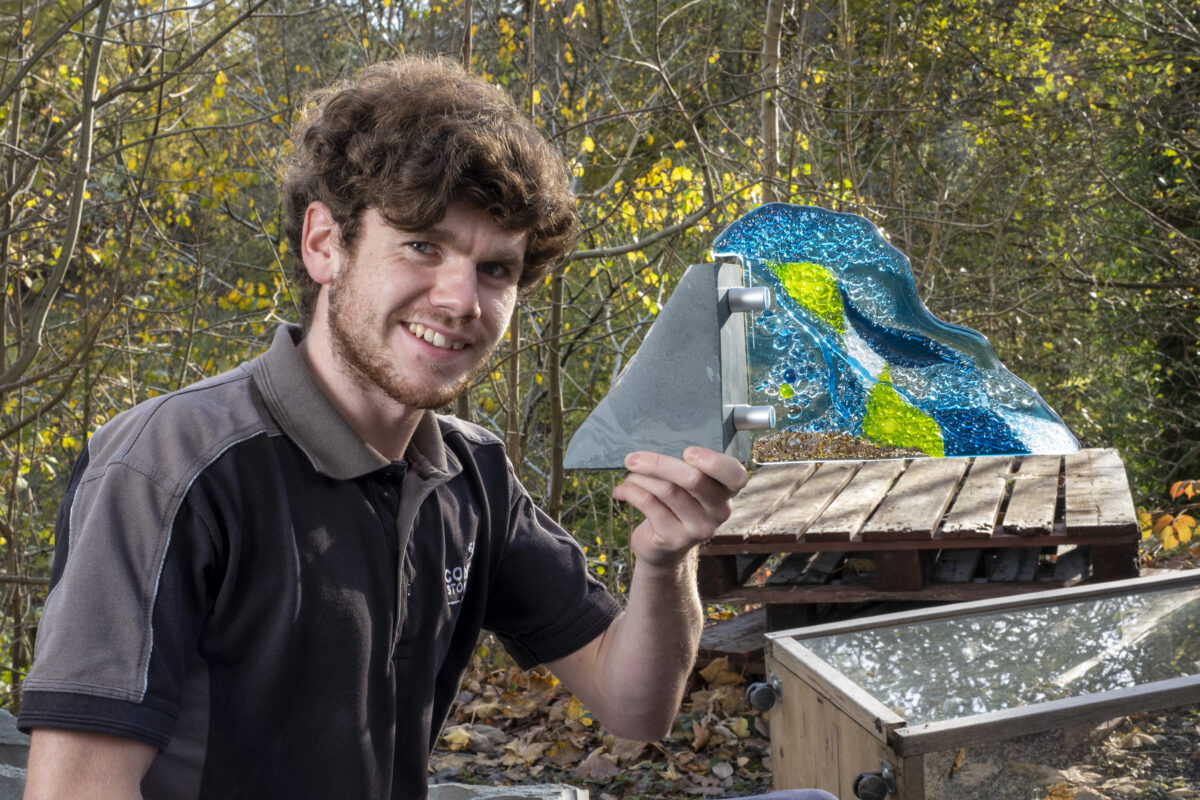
(461, 791)
(12, 782)
(681, 385)
(14, 754)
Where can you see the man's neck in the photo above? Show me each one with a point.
(383, 423)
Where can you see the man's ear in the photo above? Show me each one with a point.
(319, 243)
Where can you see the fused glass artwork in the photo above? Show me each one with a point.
(853, 362)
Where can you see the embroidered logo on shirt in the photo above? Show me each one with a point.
(456, 578)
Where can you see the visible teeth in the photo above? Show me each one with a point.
(433, 337)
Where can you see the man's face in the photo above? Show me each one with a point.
(417, 314)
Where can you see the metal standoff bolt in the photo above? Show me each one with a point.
(876, 785)
(753, 418)
(763, 696)
(748, 298)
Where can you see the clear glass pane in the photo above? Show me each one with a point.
(854, 363)
(956, 667)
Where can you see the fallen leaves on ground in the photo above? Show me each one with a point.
(512, 727)
(1148, 757)
(515, 727)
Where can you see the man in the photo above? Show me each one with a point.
(249, 596)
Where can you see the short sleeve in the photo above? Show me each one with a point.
(544, 604)
(125, 607)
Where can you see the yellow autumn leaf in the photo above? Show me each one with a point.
(575, 709)
(740, 727)
(1163, 522)
(456, 738)
(588, 145)
(1060, 791)
(1169, 540)
(1183, 527)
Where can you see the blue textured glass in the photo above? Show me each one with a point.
(854, 363)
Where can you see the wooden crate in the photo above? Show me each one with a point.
(828, 728)
(946, 529)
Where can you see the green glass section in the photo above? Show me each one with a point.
(891, 420)
(786, 391)
(815, 288)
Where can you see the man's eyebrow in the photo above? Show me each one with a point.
(505, 255)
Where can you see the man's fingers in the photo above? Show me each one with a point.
(680, 503)
(696, 471)
(725, 470)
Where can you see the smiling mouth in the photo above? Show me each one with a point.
(433, 337)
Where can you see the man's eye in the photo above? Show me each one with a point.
(424, 248)
(494, 269)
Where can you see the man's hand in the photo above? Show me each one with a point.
(684, 500)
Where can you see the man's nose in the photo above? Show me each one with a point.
(456, 288)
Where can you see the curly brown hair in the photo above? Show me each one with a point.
(409, 137)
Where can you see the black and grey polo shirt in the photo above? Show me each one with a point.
(242, 582)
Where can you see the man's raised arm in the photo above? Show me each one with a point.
(633, 675)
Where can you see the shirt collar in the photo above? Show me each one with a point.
(309, 419)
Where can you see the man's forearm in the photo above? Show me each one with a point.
(633, 675)
(640, 665)
(72, 765)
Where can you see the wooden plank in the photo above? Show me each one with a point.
(973, 513)
(899, 570)
(1115, 561)
(804, 747)
(856, 702)
(983, 729)
(1098, 499)
(1187, 579)
(914, 507)
(716, 575)
(791, 519)
(1041, 466)
(957, 566)
(865, 592)
(740, 639)
(1034, 496)
(1012, 564)
(843, 518)
(767, 489)
(1000, 540)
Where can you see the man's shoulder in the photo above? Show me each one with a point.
(172, 436)
(474, 435)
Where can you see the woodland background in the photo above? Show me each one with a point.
(1034, 158)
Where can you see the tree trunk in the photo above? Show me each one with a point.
(770, 108)
(554, 366)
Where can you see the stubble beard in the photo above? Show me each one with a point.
(370, 368)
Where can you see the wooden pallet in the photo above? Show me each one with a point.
(944, 529)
